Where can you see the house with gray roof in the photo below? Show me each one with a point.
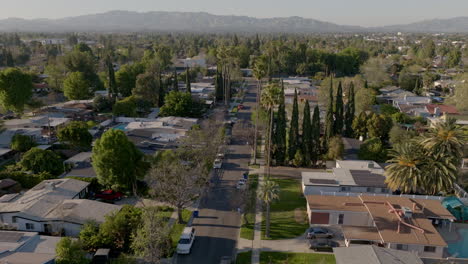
(374, 255)
(54, 207)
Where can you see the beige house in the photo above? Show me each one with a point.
(392, 222)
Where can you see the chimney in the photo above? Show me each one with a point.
(370, 165)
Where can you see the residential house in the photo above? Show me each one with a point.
(42, 122)
(393, 222)
(9, 186)
(436, 110)
(54, 207)
(391, 93)
(7, 135)
(27, 248)
(374, 255)
(354, 177)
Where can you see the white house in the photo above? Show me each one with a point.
(53, 206)
(349, 176)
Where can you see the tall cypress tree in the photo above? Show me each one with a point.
(350, 111)
(329, 119)
(293, 141)
(176, 81)
(339, 111)
(315, 136)
(219, 86)
(306, 135)
(187, 80)
(280, 132)
(162, 91)
(111, 75)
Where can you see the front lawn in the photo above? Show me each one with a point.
(244, 257)
(177, 228)
(295, 258)
(247, 228)
(288, 214)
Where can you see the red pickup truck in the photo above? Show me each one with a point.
(109, 195)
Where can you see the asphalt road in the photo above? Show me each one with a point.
(217, 227)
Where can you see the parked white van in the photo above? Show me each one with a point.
(186, 241)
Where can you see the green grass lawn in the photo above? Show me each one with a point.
(244, 257)
(247, 228)
(178, 228)
(288, 214)
(295, 258)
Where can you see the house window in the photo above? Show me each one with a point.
(13, 219)
(29, 226)
(370, 189)
(401, 247)
(345, 189)
(429, 249)
(384, 190)
(340, 219)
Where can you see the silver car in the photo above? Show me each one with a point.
(319, 232)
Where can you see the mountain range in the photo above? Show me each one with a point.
(159, 21)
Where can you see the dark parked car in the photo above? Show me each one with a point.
(319, 232)
(322, 244)
(109, 195)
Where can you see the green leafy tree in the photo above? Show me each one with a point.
(22, 143)
(339, 111)
(398, 135)
(15, 89)
(335, 148)
(350, 111)
(271, 96)
(56, 76)
(126, 77)
(307, 135)
(379, 126)
(117, 162)
(268, 192)
(147, 88)
(76, 134)
(180, 104)
(365, 99)
(360, 125)
(125, 107)
(293, 138)
(38, 160)
(84, 62)
(69, 251)
(90, 237)
(298, 159)
(102, 104)
(315, 136)
(373, 149)
(461, 93)
(454, 58)
(76, 86)
(152, 240)
(120, 227)
(112, 82)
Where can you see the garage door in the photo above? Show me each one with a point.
(320, 218)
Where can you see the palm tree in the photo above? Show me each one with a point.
(445, 139)
(271, 96)
(404, 173)
(415, 169)
(268, 192)
(259, 72)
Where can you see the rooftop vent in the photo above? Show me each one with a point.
(370, 165)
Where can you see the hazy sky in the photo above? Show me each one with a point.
(352, 12)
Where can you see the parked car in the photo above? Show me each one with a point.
(110, 195)
(225, 260)
(217, 164)
(186, 241)
(220, 156)
(240, 107)
(322, 244)
(319, 232)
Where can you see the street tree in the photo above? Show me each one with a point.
(268, 193)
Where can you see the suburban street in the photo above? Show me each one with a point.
(217, 227)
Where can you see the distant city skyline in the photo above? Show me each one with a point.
(346, 12)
